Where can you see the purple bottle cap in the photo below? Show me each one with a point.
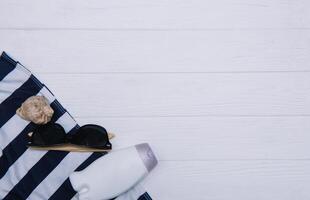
(147, 155)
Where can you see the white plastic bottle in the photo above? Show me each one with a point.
(114, 173)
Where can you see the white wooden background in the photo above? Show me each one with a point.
(220, 88)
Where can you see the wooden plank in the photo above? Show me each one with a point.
(140, 14)
(159, 51)
(110, 95)
(223, 180)
(213, 138)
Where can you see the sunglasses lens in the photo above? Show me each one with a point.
(48, 134)
(92, 136)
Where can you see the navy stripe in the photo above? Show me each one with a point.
(90, 160)
(37, 174)
(66, 191)
(19, 145)
(57, 112)
(9, 105)
(13, 151)
(6, 65)
(145, 196)
(5, 56)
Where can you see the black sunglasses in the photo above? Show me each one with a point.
(52, 136)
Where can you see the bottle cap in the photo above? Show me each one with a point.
(147, 156)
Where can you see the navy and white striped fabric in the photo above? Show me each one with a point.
(27, 173)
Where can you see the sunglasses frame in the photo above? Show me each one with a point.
(67, 145)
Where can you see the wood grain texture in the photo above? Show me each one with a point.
(226, 180)
(160, 51)
(162, 14)
(213, 138)
(219, 88)
(130, 95)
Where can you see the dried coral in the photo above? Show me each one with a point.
(36, 109)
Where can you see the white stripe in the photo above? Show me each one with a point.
(11, 129)
(26, 161)
(67, 122)
(18, 170)
(47, 94)
(14, 126)
(54, 180)
(13, 81)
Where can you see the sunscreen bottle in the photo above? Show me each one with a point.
(114, 173)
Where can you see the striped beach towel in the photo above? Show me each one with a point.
(27, 173)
